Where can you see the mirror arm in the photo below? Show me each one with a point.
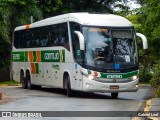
(144, 40)
(81, 39)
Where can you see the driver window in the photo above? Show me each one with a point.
(75, 41)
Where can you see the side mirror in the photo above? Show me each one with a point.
(144, 40)
(81, 39)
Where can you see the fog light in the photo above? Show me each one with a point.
(87, 85)
(137, 86)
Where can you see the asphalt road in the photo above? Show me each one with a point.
(48, 99)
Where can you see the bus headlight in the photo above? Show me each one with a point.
(135, 77)
(91, 77)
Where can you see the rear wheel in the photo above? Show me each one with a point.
(29, 84)
(23, 81)
(28, 80)
(114, 95)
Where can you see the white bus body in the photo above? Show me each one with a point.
(78, 61)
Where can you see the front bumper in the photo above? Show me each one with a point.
(95, 86)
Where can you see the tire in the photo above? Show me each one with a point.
(28, 81)
(36, 87)
(23, 80)
(70, 92)
(114, 95)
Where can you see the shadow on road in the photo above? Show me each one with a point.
(78, 94)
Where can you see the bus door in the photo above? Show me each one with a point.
(77, 76)
(76, 66)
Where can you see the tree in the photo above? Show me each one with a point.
(57, 7)
(14, 13)
(149, 18)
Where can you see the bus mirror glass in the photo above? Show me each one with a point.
(81, 39)
(144, 40)
(78, 54)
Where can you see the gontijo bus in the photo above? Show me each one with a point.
(78, 52)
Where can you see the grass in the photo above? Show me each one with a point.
(9, 83)
(158, 92)
(144, 82)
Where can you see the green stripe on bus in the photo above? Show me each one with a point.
(89, 72)
(37, 68)
(25, 56)
(18, 56)
(63, 54)
(46, 56)
(120, 75)
(34, 56)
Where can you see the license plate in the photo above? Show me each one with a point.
(114, 87)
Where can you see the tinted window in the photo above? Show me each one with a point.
(75, 41)
(47, 36)
(59, 35)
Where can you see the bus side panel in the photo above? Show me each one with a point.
(48, 74)
(57, 75)
(58, 68)
(16, 71)
(40, 80)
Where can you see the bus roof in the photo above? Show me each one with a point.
(84, 19)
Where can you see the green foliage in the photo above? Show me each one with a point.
(150, 20)
(144, 75)
(5, 15)
(9, 82)
(14, 13)
(57, 7)
(155, 81)
(158, 92)
(4, 53)
(134, 18)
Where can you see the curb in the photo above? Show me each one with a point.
(148, 105)
(147, 109)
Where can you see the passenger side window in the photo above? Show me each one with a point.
(59, 35)
(45, 36)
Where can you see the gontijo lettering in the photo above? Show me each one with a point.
(51, 56)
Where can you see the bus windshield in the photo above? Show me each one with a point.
(110, 48)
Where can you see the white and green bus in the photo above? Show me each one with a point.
(78, 52)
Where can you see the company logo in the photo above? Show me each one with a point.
(51, 56)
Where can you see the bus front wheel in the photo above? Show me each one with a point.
(114, 95)
(70, 92)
